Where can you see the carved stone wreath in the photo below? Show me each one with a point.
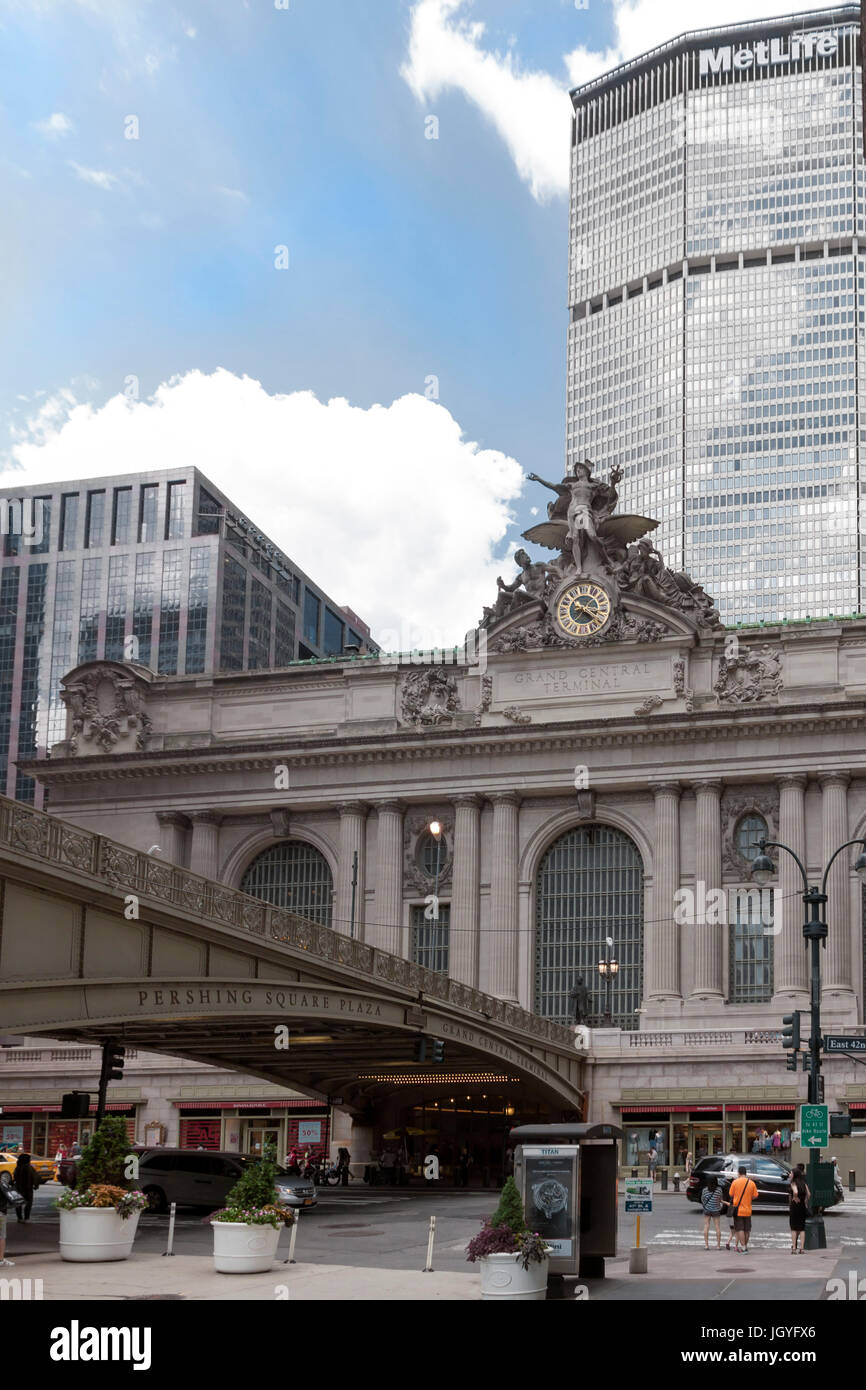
(414, 832)
(429, 697)
(754, 674)
(105, 704)
(760, 801)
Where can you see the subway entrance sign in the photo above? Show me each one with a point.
(815, 1126)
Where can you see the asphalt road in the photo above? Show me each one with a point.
(377, 1227)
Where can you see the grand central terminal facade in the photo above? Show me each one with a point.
(599, 764)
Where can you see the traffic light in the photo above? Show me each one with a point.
(438, 1051)
(420, 1049)
(791, 1032)
(112, 1062)
(840, 1125)
(791, 1062)
(75, 1105)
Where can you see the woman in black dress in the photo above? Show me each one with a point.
(798, 1204)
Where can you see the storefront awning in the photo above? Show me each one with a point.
(763, 1107)
(291, 1103)
(857, 1104)
(19, 1106)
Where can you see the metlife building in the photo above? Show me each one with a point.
(716, 296)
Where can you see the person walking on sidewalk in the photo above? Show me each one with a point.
(4, 1207)
(798, 1208)
(741, 1194)
(25, 1181)
(711, 1201)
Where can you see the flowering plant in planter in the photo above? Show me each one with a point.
(101, 1175)
(506, 1233)
(254, 1199)
(103, 1195)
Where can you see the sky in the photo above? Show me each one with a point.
(317, 248)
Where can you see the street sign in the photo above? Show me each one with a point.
(638, 1194)
(815, 1126)
(837, 1042)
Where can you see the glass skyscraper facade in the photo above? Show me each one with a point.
(716, 295)
(156, 567)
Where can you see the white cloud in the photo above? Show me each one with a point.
(233, 193)
(100, 178)
(531, 110)
(390, 509)
(54, 125)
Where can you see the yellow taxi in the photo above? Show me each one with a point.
(43, 1167)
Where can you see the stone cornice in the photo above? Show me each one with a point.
(406, 746)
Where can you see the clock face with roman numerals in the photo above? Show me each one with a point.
(583, 610)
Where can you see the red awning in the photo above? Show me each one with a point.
(857, 1105)
(55, 1109)
(293, 1103)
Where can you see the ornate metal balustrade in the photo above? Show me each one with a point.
(51, 841)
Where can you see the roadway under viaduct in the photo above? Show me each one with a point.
(98, 940)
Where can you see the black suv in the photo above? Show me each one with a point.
(770, 1175)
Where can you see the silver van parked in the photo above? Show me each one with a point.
(204, 1178)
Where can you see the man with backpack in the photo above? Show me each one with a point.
(741, 1194)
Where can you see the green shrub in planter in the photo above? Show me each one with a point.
(254, 1198)
(103, 1162)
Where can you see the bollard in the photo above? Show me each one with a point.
(428, 1268)
(634, 1173)
(664, 1179)
(676, 1182)
(292, 1238)
(852, 1180)
(168, 1250)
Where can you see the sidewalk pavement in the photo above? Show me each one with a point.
(672, 1275)
(193, 1277)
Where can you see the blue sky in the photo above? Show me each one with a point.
(258, 127)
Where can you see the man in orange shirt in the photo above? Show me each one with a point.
(741, 1193)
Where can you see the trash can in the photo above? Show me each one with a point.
(567, 1178)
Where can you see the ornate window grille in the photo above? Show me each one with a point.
(589, 886)
(430, 939)
(293, 875)
(750, 948)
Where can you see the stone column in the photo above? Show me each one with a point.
(465, 900)
(353, 821)
(387, 933)
(503, 896)
(662, 956)
(836, 967)
(204, 852)
(172, 827)
(791, 959)
(709, 936)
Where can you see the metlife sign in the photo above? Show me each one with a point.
(769, 52)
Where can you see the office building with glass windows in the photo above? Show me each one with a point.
(157, 567)
(716, 298)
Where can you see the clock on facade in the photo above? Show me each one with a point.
(583, 609)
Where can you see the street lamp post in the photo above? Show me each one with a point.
(436, 832)
(607, 969)
(815, 933)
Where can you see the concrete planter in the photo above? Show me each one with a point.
(503, 1276)
(90, 1234)
(241, 1248)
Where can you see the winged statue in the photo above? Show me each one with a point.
(581, 524)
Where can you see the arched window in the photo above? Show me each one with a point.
(749, 833)
(589, 887)
(294, 875)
